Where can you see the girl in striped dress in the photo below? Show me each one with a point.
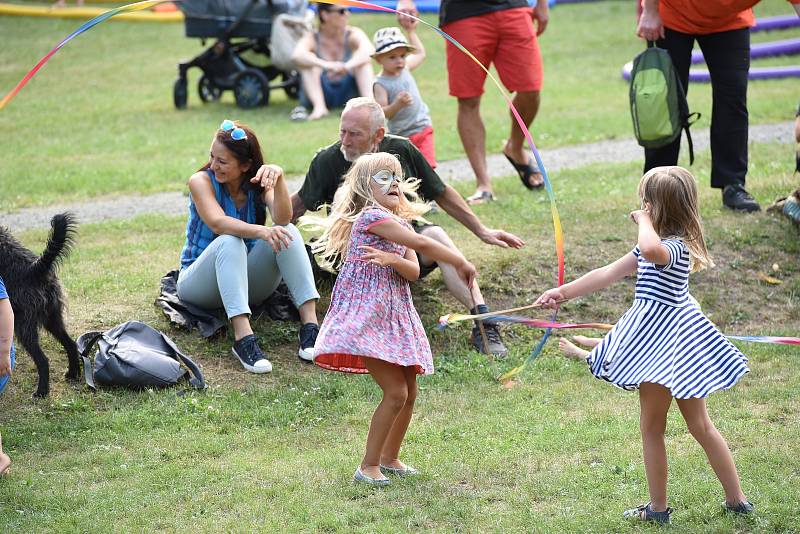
(663, 345)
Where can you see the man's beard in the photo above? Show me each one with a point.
(351, 158)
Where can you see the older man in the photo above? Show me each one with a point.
(361, 131)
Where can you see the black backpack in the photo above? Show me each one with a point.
(658, 102)
(136, 356)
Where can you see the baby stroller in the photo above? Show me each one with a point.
(239, 60)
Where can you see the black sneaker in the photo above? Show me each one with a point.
(493, 340)
(249, 353)
(737, 199)
(742, 508)
(308, 338)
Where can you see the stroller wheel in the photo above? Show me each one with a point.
(208, 90)
(179, 95)
(251, 89)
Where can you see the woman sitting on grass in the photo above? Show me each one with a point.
(230, 258)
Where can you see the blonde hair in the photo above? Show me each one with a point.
(353, 197)
(672, 195)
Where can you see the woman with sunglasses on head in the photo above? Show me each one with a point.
(334, 64)
(371, 325)
(231, 258)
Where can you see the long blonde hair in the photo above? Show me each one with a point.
(672, 195)
(354, 196)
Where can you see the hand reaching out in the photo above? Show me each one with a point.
(551, 298)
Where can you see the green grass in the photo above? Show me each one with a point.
(558, 452)
(98, 119)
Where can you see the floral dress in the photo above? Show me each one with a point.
(371, 313)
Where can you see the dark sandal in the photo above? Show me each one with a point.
(645, 513)
(525, 172)
(742, 508)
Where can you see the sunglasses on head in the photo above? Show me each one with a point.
(237, 134)
(385, 179)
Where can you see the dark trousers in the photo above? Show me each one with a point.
(727, 55)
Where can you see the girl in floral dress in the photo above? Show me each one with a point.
(372, 326)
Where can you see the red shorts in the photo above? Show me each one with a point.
(506, 38)
(423, 140)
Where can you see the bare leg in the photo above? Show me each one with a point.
(452, 281)
(5, 461)
(311, 78)
(364, 79)
(392, 381)
(654, 401)
(391, 448)
(241, 326)
(719, 456)
(527, 105)
(473, 138)
(308, 312)
(570, 350)
(590, 342)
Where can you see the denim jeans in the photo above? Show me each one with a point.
(227, 275)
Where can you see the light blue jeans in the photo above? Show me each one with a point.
(227, 275)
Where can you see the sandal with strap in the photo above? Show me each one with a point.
(298, 114)
(646, 513)
(480, 197)
(741, 508)
(526, 172)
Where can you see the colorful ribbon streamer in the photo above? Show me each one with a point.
(558, 232)
(768, 339)
(138, 6)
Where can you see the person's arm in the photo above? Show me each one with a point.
(455, 206)
(541, 15)
(361, 47)
(276, 194)
(6, 336)
(650, 245)
(215, 218)
(590, 282)
(416, 57)
(298, 208)
(406, 266)
(796, 7)
(382, 97)
(650, 27)
(394, 231)
(305, 56)
(797, 126)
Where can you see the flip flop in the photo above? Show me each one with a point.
(298, 114)
(526, 171)
(480, 197)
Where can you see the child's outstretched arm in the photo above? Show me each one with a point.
(394, 231)
(416, 57)
(650, 244)
(6, 334)
(590, 282)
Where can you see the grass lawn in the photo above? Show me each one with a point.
(98, 119)
(557, 452)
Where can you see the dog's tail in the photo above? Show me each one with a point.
(63, 227)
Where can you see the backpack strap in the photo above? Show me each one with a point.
(691, 119)
(85, 344)
(197, 381)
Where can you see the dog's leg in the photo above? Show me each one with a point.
(55, 325)
(29, 338)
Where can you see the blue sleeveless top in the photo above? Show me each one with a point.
(199, 235)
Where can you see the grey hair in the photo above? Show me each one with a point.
(376, 116)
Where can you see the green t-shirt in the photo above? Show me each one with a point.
(328, 168)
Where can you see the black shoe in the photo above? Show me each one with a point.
(249, 353)
(742, 508)
(737, 199)
(493, 340)
(308, 338)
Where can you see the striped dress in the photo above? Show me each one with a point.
(665, 339)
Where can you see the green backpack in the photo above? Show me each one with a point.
(658, 102)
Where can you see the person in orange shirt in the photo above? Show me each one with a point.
(722, 29)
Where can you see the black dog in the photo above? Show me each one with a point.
(36, 295)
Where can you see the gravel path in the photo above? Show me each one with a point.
(567, 157)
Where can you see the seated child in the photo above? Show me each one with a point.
(395, 89)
